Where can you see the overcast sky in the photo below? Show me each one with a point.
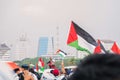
(36, 18)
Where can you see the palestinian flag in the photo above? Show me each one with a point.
(77, 30)
(115, 48)
(61, 53)
(73, 38)
(40, 66)
(86, 36)
(41, 62)
(101, 46)
(97, 49)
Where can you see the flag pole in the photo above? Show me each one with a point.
(63, 66)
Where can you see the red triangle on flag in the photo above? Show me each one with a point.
(97, 49)
(115, 48)
(72, 34)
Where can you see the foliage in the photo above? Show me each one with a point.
(67, 61)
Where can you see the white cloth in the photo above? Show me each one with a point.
(48, 76)
(34, 76)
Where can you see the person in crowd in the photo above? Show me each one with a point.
(55, 72)
(27, 74)
(34, 72)
(64, 71)
(51, 63)
(98, 67)
(19, 74)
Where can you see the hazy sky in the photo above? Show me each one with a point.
(36, 18)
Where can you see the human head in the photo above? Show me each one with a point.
(68, 71)
(25, 67)
(55, 72)
(31, 70)
(16, 70)
(98, 67)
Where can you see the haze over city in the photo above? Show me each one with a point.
(52, 18)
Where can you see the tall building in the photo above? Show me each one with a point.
(45, 46)
(22, 49)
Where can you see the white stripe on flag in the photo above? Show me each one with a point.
(62, 54)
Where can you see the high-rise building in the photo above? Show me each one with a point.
(22, 48)
(45, 46)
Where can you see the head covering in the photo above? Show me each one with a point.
(53, 60)
(25, 66)
(55, 72)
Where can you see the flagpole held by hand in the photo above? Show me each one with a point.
(62, 67)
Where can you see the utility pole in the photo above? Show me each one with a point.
(52, 45)
(57, 34)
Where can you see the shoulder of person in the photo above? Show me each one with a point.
(34, 76)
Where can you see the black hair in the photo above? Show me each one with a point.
(51, 71)
(32, 70)
(16, 69)
(98, 67)
(25, 66)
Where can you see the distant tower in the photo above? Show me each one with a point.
(52, 38)
(23, 37)
(22, 48)
(57, 37)
(23, 45)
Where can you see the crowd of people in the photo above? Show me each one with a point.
(25, 72)
(92, 67)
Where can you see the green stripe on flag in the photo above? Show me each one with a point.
(75, 44)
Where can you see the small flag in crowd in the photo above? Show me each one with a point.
(40, 65)
(41, 62)
(61, 53)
